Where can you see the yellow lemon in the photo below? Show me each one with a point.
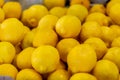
(97, 8)
(108, 34)
(59, 74)
(68, 26)
(12, 9)
(45, 59)
(28, 74)
(83, 76)
(113, 55)
(85, 3)
(48, 21)
(11, 30)
(116, 42)
(98, 17)
(90, 29)
(28, 39)
(54, 3)
(24, 58)
(32, 15)
(64, 46)
(116, 28)
(8, 70)
(1, 3)
(81, 58)
(114, 13)
(104, 70)
(61, 65)
(99, 46)
(58, 11)
(7, 52)
(78, 10)
(45, 37)
(2, 15)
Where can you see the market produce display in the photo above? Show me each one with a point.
(55, 41)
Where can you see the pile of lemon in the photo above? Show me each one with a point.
(50, 41)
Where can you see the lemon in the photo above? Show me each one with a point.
(90, 29)
(7, 52)
(108, 34)
(68, 26)
(83, 76)
(26, 30)
(78, 10)
(98, 17)
(54, 3)
(41, 62)
(8, 70)
(116, 42)
(32, 15)
(48, 21)
(99, 46)
(28, 39)
(104, 70)
(11, 30)
(113, 55)
(58, 11)
(1, 3)
(64, 46)
(2, 15)
(81, 58)
(114, 13)
(12, 9)
(59, 74)
(45, 37)
(116, 28)
(97, 8)
(28, 74)
(26, 61)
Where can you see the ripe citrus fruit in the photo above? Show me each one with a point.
(68, 26)
(116, 42)
(2, 15)
(1, 3)
(41, 62)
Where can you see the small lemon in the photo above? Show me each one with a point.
(114, 13)
(116, 42)
(81, 58)
(113, 55)
(116, 28)
(58, 11)
(24, 58)
(108, 34)
(11, 30)
(68, 26)
(1, 3)
(59, 74)
(45, 37)
(78, 10)
(7, 52)
(61, 65)
(99, 46)
(85, 3)
(28, 74)
(104, 70)
(54, 3)
(2, 15)
(12, 9)
(82, 76)
(64, 46)
(48, 21)
(97, 8)
(90, 29)
(28, 39)
(8, 70)
(45, 59)
(98, 17)
(32, 15)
